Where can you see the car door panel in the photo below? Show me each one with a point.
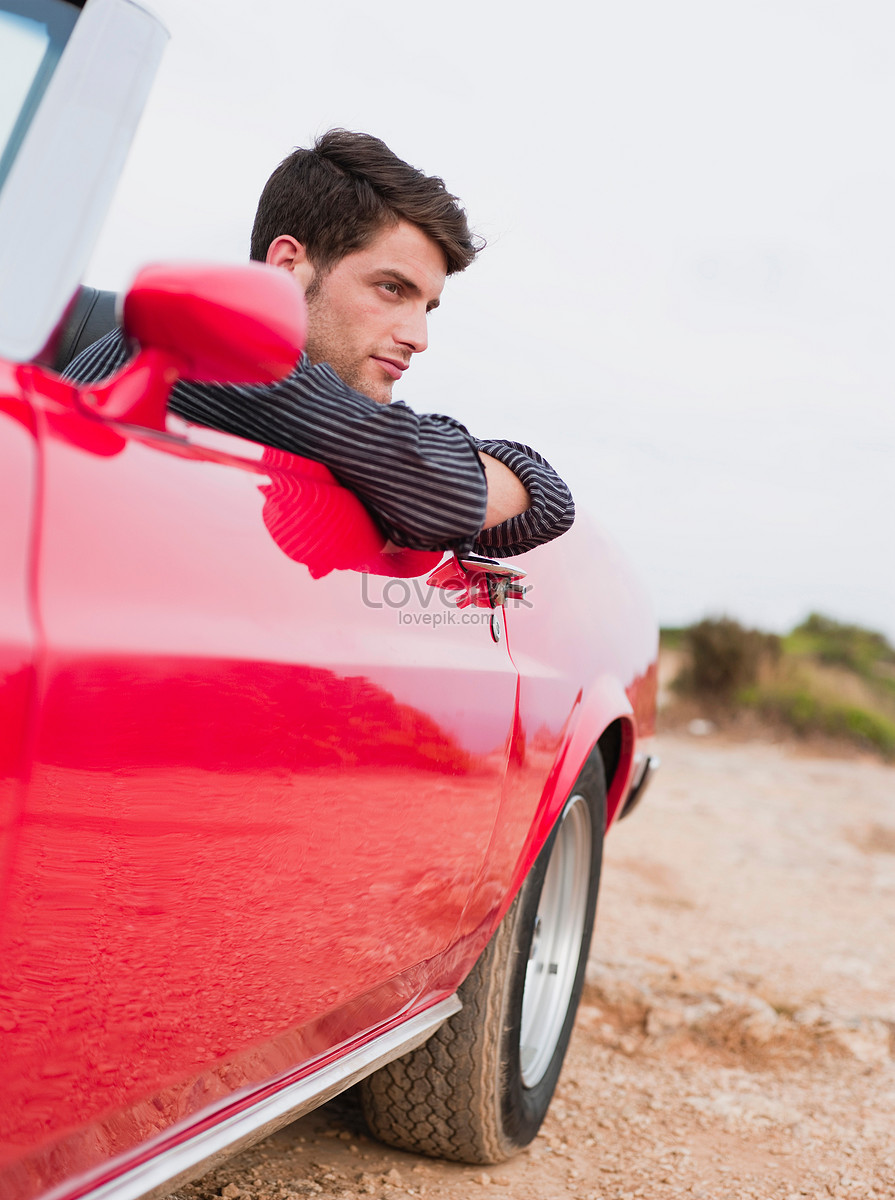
(18, 491)
(256, 810)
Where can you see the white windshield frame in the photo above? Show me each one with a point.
(44, 26)
(59, 188)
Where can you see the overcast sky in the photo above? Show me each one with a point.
(688, 297)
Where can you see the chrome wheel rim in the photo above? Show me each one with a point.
(556, 942)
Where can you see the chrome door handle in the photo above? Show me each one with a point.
(482, 582)
(502, 579)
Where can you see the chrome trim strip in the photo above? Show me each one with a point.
(206, 1150)
(651, 764)
(491, 566)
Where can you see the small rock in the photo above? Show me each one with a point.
(629, 1000)
(812, 1014)
(663, 1021)
(696, 1016)
(759, 1028)
(231, 1192)
(589, 1016)
(484, 1179)
(745, 1106)
(700, 727)
(867, 1041)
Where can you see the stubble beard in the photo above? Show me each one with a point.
(325, 344)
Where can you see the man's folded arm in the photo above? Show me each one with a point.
(420, 476)
(551, 509)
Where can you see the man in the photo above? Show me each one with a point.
(371, 241)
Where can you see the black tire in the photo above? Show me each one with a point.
(478, 1090)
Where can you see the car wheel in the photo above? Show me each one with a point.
(478, 1090)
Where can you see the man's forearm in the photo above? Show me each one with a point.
(419, 476)
(546, 511)
(428, 484)
(507, 494)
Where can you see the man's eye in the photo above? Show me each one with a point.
(389, 286)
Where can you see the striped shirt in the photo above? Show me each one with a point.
(418, 474)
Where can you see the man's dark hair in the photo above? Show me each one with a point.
(336, 197)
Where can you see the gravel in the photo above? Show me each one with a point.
(737, 1031)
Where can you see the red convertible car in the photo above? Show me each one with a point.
(279, 812)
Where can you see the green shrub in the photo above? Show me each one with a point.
(789, 681)
(724, 658)
(871, 728)
(831, 642)
(671, 637)
(804, 711)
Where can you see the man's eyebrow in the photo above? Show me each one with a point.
(413, 288)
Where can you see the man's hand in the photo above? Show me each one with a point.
(507, 495)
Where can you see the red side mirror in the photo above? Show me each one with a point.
(242, 324)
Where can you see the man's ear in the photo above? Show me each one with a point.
(285, 251)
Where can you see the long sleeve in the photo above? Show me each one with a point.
(420, 476)
(552, 509)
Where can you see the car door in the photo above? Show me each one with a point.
(261, 788)
(18, 496)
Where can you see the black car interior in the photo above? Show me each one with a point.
(90, 317)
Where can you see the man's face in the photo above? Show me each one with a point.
(368, 316)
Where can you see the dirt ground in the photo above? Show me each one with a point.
(737, 1034)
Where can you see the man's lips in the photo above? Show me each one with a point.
(392, 366)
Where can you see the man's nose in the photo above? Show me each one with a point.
(414, 330)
